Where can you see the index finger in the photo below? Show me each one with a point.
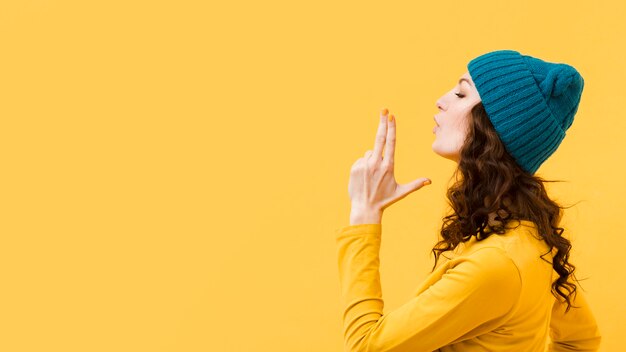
(390, 139)
(381, 135)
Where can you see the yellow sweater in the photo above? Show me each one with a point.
(490, 295)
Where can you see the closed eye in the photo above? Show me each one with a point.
(459, 95)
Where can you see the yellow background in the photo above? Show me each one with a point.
(173, 171)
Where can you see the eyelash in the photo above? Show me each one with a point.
(459, 95)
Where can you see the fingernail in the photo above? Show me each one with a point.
(390, 118)
(427, 182)
(385, 111)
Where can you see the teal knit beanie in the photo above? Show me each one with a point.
(530, 102)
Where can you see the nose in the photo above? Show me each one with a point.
(439, 104)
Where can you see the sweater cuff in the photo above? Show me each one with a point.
(360, 229)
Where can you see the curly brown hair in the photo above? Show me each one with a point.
(492, 182)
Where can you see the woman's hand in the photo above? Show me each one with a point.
(372, 185)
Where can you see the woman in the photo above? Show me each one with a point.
(505, 284)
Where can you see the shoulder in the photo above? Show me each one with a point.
(488, 267)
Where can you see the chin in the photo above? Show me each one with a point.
(446, 154)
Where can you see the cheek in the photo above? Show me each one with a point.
(456, 131)
(459, 122)
(464, 116)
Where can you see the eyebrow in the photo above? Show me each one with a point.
(465, 79)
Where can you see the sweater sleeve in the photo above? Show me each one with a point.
(458, 306)
(575, 330)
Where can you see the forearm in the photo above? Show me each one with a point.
(359, 277)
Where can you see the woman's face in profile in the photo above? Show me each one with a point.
(452, 120)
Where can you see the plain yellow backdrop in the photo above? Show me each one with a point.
(173, 171)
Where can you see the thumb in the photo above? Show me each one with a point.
(413, 186)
